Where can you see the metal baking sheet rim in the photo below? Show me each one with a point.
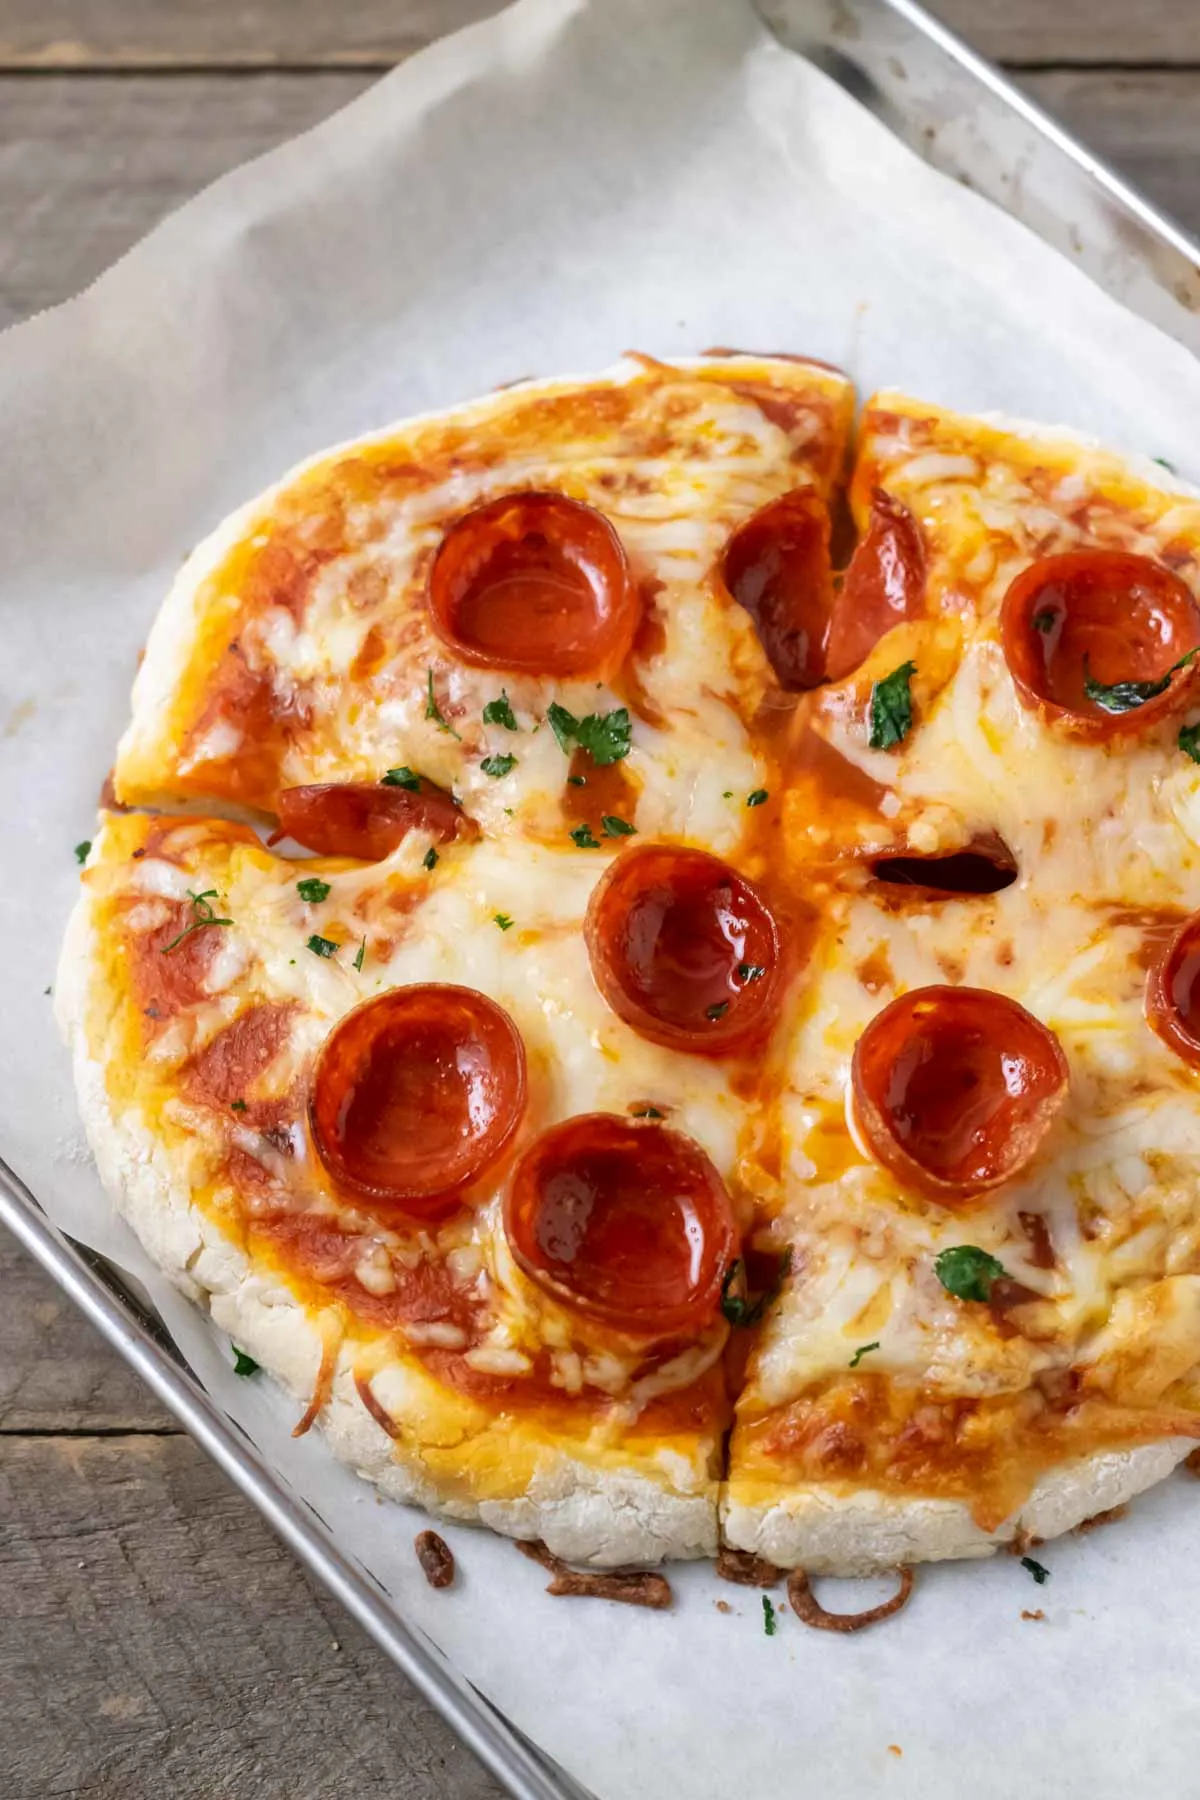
(853, 40)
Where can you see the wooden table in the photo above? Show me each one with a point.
(154, 1637)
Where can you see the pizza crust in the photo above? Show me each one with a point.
(829, 1532)
(601, 1518)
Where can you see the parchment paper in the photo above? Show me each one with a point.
(570, 179)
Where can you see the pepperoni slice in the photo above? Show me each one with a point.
(1093, 640)
(627, 1223)
(416, 1094)
(683, 949)
(1173, 992)
(777, 567)
(367, 819)
(984, 865)
(537, 583)
(883, 586)
(954, 1089)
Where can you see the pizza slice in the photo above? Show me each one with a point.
(982, 1159)
(409, 600)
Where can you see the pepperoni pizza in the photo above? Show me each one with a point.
(657, 1038)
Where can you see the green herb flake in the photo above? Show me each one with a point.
(1126, 696)
(863, 1350)
(577, 780)
(717, 1010)
(647, 1112)
(1189, 741)
(47, 990)
(1044, 621)
(728, 794)
(968, 1272)
(500, 712)
(1164, 464)
(1039, 1571)
(736, 1307)
(312, 891)
(751, 971)
(83, 850)
(769, 1624)
(205, 915)
(582, 836)
(403, 777)
(502, 920)
(614, 827)
(891, 708)
(759, 797)
(607, 737)
(359, 954)
(237, 1106)
(321, 946)
(496, 766)
(430, 859)
(243, 1364)
(433, 710)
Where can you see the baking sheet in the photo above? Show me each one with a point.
(572, 178)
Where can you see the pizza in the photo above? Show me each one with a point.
(639, 956)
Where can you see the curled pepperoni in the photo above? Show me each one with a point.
(1094, 640)
(628, 1223)
(777, 567)
(416, 1094)
(954, 1089)
(883, 586)
(984, 865)
(367, 819)
(534, 582)
(1173, 992)
(683, 949)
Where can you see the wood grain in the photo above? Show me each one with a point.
(140, 34)
(155, 1639)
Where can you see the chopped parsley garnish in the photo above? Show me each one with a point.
(862, 1351)
(1044, 621)
(607, 737)
(1124, 696)
(403, 777)
(502, 920)
(83, 850)
(430, 858)
(321, 946)
(237, 1106)
(495, 766)
(716, 1011)
(1039, 1571)
(769, 1625)
(582, 835)
(1189, 741)
(1168, 466)
(728, 794)
(433, 710)
(891, 708)
(312, 891)
(500, 712)
(751, 971)
(243, 1364)
(203, 908)
(359, 954)
(647, 1112)
(759, 797)
(968, 1272)
(614, 827)
(735, 1307)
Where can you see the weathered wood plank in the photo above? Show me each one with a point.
(56, 1374)
(86, 167)
(370, 33)
(156, 1639)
